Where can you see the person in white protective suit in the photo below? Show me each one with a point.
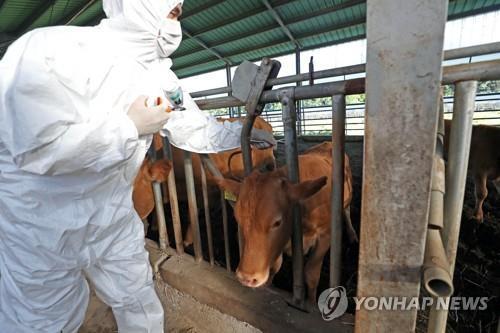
(74, 130)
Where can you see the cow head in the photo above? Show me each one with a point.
(264, 213)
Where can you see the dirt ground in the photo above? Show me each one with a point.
(477, 270)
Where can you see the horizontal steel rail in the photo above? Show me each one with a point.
(466, 52)
(480, 71)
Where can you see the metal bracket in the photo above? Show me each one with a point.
(250, 91)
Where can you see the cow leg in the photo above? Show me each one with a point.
(313, 266)
(481, 194)
(351, 233)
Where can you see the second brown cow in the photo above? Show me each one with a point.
(263, 212)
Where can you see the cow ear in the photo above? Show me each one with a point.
(304, 190)
(229, 185)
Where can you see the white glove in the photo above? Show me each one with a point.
(148, 119)
(262, 139)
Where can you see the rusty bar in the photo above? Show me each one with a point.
(206, 206)
(292, 162)
(209, 164)
(456, 176)
(337, 199)
(480, 71)
(193, 207)
(465, 52)
(172, 198)
(160, 212)
(402, 80)
(246, 149)
(226, 231)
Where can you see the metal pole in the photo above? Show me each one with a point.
(229, 84)
(209, 164)
(402, 81)
(193, 208)
(226, 231)
(337, 199)
(292, 161)
(465, 52)
(160, 213)
(299, 102)
(456, 176)
(246, 149)
(172, 198)
(206, 205)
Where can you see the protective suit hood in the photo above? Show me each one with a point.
(143, 27)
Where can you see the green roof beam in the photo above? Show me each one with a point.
(206, 47)
(75, 14)
(284, 40)
(28, 21)
(268, 28)
(282, 24)
(201, 8)
(231, 20)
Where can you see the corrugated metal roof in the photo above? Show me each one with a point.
(232, 30)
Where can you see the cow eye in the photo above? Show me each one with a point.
(276, 224)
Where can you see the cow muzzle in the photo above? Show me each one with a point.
(252, 280)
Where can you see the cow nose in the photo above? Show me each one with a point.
(248, 279)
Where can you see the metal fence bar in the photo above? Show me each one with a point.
(458, 159)
(208, 163)
(172, 198)
(464, 52)
(206, 206)
(227, 252)
(193, 207)
(479, 71)
(160, 212)
(337, 199)
(291, 152)
(403, 81)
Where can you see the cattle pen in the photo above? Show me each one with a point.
(411, 196)
(464, 76)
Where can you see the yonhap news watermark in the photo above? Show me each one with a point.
(333, 303)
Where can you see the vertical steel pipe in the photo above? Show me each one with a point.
(206, 206)
(160, 212)
(402, 89)
(292, 162)
(193, 207)
(337, 199)
(229, 84)
(456, 176)
(209, 164)
(299, 102)
(172, 198)
(246, 151)
(225, 230)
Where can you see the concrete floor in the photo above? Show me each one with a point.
(183, 315)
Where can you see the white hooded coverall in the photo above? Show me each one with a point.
(68, 158)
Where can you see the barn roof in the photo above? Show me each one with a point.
(222, 32)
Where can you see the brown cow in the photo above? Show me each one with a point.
(143, 197)
(484, 161)
(263, 211)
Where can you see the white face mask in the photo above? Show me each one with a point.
(169, 37)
